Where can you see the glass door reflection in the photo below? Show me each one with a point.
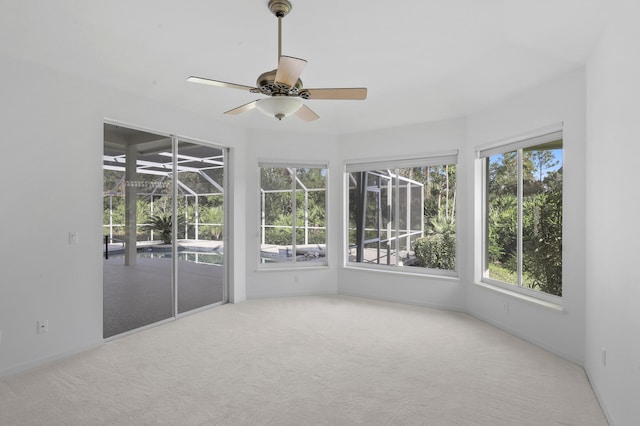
(137, 200)
(201, 206)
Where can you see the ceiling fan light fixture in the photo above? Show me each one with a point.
(279, 106)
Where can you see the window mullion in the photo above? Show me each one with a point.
(263, 223)
(174, 222)
(396, 215)
(294, 214)
(379, 219)
(520, 215)
(485, 203)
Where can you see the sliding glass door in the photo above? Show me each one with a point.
(163, 228)
(200, 205)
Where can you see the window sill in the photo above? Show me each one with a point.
(556, 307)
(401, 271)
(281, 268)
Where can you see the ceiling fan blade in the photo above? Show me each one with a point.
(239, 110)
(289, 70)
(306, 114)
(356, 93)
(217, 83)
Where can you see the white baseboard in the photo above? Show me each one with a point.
(464, 311)
(404, 301)
(519, 335)
(603, 406)
(19, 368)
(292, 294)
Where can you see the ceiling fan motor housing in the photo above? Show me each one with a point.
(267, 85)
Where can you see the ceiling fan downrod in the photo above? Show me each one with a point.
(280, 8)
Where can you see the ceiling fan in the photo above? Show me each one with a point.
(283, 85)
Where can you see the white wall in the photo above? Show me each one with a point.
(281, 146)
(406, 142)
(51, 184)
(613, 223)
(562, 100)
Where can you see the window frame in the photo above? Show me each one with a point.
(393, 164)
(293, 165)
(518, 144)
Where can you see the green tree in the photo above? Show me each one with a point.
(541, 219)
(215, 216)
(283, 234)
(503, 237)
(118, 214)
(277, 185)
(543, 161)
(542, 236)
(276, 182)
(437, 249)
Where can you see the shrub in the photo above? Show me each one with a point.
(437, 249)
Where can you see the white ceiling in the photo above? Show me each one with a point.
(421, 60)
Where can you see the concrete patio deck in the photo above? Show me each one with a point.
(141, 294)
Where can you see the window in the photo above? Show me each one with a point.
(293, 215)
(523, 214)
(402, 214)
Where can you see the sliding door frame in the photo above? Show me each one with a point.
(175, 139)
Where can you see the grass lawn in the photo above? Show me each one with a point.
(500, 273)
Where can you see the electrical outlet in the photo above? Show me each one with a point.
(296, 279)
(506, 307)
(604, 357)
(43, 326)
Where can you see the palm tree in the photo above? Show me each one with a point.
(163, 223)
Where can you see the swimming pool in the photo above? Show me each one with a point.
(215, 257)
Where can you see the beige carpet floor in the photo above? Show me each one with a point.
(330, 360)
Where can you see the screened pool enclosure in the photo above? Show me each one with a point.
(200, 194)
(386, 216)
